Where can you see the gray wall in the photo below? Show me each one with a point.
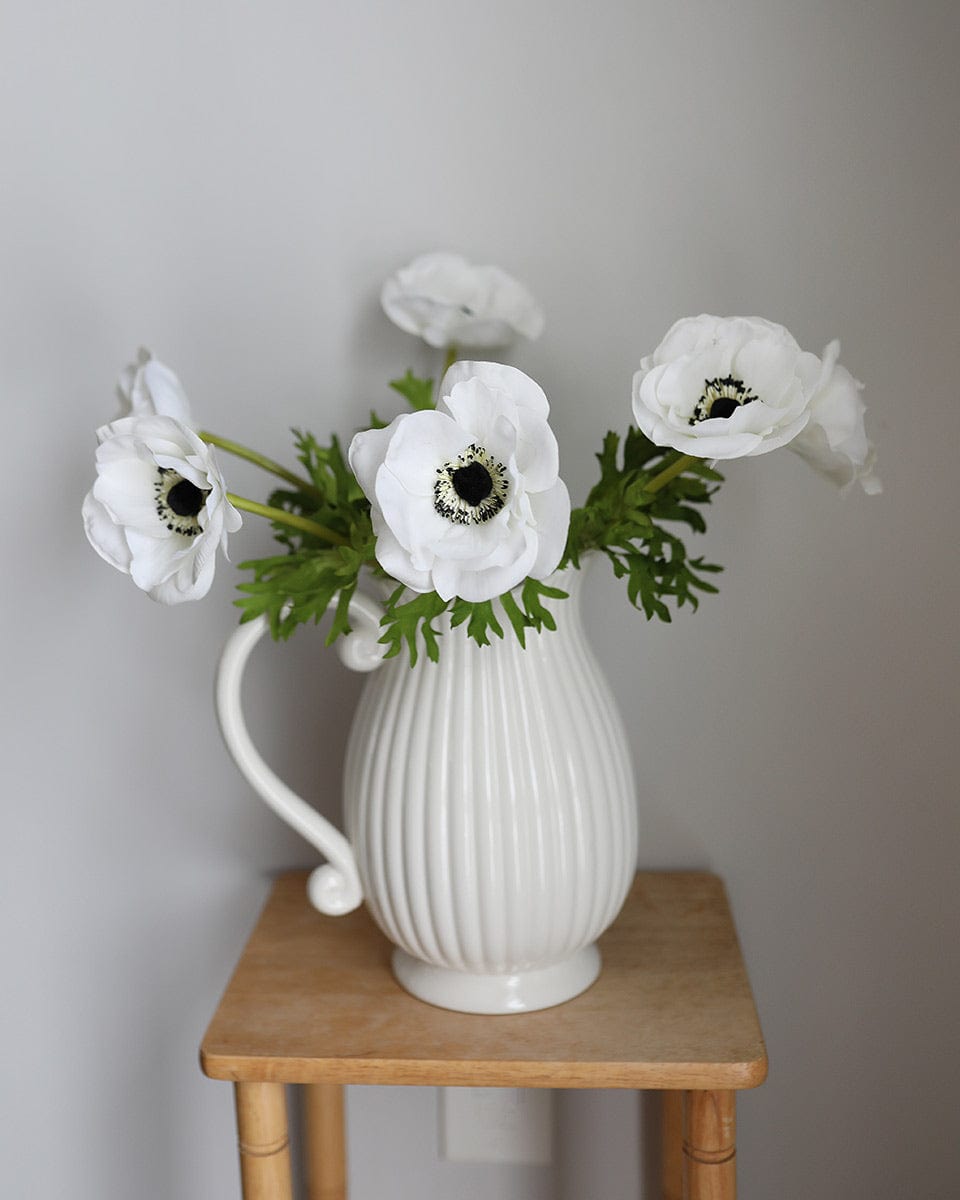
(229, 183)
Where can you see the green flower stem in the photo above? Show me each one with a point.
(671, 472)
(261, 460)
(286, 518)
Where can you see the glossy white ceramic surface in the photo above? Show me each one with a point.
(489, 806)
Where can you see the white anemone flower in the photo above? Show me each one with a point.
(449, 302)
(835, 441)
(158, 510)
(725, 387)
(467, 500)
(148, 388)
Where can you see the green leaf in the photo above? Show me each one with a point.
(638, 450)
(608, 454)
(631, 526)
(376, 422)
(417, 392)
(404, 622)
(516, 617)
(341, 618)
(480, 619)
(538, 615)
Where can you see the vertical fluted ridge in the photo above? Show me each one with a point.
(490, 799)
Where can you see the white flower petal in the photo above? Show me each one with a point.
(689, 335)
(507, 300)
(483, 396)
(780, 435)
(155, 559)
(769, 370)
(447, 301)
(485, 583)
(232, 521)
(165, 392)
(167, 548)
(396, 561)
(412, 518)
(191, 581)
(750, 368)
(125, 488)
(488, 418)
(105, 535)
(835, 442)
(149, 388)
(551, 511)
(128, 379)
(498, 377)
(421, 443)
(466, 525)
(476, 545)
(538, 456)
(367, 451)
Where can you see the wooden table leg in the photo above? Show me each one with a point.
(325, 1141)
(671, 1145)
(709, 1146)
(264, 1144)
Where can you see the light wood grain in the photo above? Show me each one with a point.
(264, 1144)
(325, 1141)
(313, 1001)
(671, 1145)
(709, 1146)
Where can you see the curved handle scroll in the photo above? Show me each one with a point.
(333, 888)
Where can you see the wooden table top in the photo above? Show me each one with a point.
(313, 1000)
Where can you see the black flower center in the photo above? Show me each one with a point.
(721, 398)
(471, 489)
(472, 483)
(186, 499)
(178, 502)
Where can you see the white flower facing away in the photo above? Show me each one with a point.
(725, 387)
(834, 442)
(158, 509)
(148, 388)
(449, 302)
(467, 500)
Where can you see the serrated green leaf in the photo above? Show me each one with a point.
(417, 392)
(402, 623)
(516, 617)
(481, 620)
(341, 618)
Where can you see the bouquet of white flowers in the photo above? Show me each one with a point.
(459, 501)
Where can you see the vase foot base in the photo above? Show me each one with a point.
(524, 991)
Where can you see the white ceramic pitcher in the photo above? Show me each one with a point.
(489, 807)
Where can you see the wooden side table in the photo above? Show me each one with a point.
(313, 1002)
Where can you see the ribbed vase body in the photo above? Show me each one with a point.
(489, 799)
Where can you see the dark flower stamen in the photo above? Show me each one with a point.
(721, 398)
(186, 499)
(179, 502)
(472, 483)
(472, 489)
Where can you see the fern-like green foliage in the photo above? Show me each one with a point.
(417, 392)
(301, 585)
(626, 518)
(623, 519)
(409, 617)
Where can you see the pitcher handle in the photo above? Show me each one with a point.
(334, 888)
